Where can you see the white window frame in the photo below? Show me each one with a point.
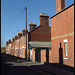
(66, 48)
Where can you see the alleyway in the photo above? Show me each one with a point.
(9, 66)
(15, 66)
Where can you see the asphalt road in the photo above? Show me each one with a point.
(18, 69)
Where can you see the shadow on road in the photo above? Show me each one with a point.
(17, 69)
(9, 69)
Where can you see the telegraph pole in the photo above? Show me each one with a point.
(26, 32)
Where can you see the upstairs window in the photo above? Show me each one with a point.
(65, 47)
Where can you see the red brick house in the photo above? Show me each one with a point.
(53, 44)
(39, 40)
(22, 46)
(62, 34)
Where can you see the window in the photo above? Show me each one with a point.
(65, 47)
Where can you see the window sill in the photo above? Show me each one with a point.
(65, 58)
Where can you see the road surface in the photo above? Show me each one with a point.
(9, 66)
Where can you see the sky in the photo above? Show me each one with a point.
(13, 15)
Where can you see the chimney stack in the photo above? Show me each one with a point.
(19, 35)
(23, 32)
(44, 19)
(9, 41)
(15, 37)
(60, 4)
(32, 26)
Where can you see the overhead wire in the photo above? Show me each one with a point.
(4, 10)
(13, 23)
(19, 24)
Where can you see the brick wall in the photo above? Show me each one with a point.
(62, 27)
(44, 20)
(12, 48)
(50, 56)
(60, 4)
(33, 55)
(22, 47)
(42, 33)
(43, 56)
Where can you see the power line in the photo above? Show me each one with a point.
(11, 9)
(17, 30)
(14, 21)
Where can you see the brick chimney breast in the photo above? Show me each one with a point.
(32, 26)
(44, 19)
(23, 32)
(19, 35)
(15, 37)
(9, 41)
(60, 4)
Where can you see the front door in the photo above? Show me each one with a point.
(47, 55)
(37, 55)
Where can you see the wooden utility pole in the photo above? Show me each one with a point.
(26, 32)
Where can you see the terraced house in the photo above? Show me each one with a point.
(38, 41)
(53, 44)
(62, 34)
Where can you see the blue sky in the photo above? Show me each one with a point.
(13, 15)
